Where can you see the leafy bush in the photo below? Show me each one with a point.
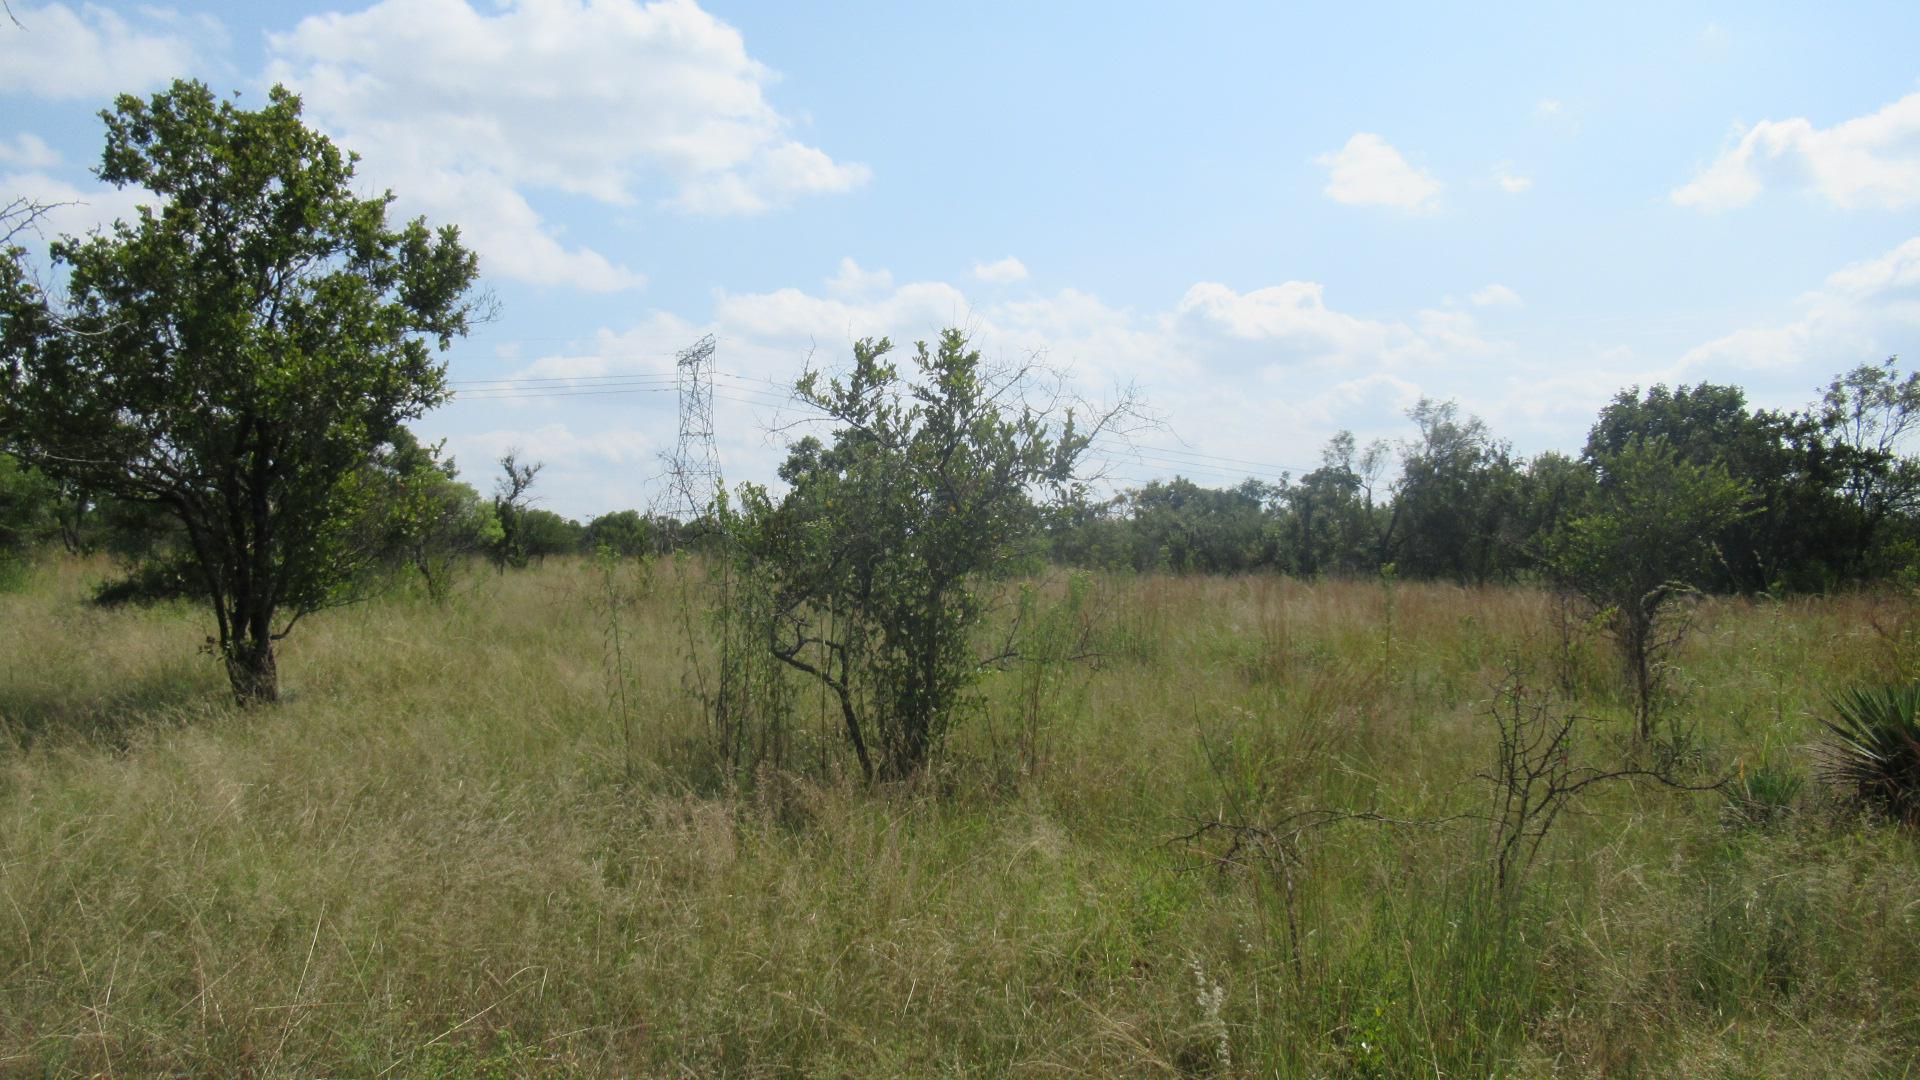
(1874, 748)
(155, 581)
(1645, 542)
(874, 559)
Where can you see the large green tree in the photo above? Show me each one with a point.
(27, 502)
(1787, 533)
(1870, 415)
(1459, 498)
(236, 354)
(1180, 526)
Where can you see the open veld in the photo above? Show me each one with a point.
(466, 846)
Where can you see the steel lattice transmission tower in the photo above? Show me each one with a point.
(696, 466)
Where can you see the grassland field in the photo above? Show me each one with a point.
(476, 842)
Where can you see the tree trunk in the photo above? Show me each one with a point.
(1638, 643)
(251, 670)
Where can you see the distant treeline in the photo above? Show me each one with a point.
(408, 513)
(1828, 499)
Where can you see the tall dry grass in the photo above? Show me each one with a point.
(436, 859)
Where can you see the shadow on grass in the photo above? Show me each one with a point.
(41, 716)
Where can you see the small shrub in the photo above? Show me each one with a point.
(1874, 748)
(14, 571)
(1763, 796)
(153, 582)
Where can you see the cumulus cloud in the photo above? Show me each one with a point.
(1292, 317)
(92, 53)
(1370, 172)
(465, 111)
(497, 221)
(770, 178)
(1003, 272)
(1868, 162)
(1495, 295)
(854, 281)
(909, 312)
(1860, 313)
(1510, 182)
(28, 151)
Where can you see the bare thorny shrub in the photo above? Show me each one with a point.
(1894, 617)
(745, 701)
(1573, 624)
(1279, 853)
(622, 584)
(1261, 773)
(748, 700)
(1538, 772)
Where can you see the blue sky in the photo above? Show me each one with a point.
(1276, 223)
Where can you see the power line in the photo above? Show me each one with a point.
(1182, 460)
(743, 395)
(525, 395)
(1187, 470)
(578, 380)
(1163, 455)
(1193, 459)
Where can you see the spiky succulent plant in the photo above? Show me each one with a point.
(1874, 748)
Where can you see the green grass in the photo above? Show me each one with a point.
(440, 857)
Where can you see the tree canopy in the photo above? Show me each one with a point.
(236, 354)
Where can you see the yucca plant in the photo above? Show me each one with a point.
(1875, 748)
(1764, 795)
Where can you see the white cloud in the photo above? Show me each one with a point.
(1869, 161)
(1383, 393)
(1003, 272)
(1293, 316)
(1495, 295)
(770, 178)
(28, 151)
(609, 100)
(911, 311)
(92, 53)
(853, 281)
(1509, 181)
(512, 238)
(1369, 172)
(1860, 313)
